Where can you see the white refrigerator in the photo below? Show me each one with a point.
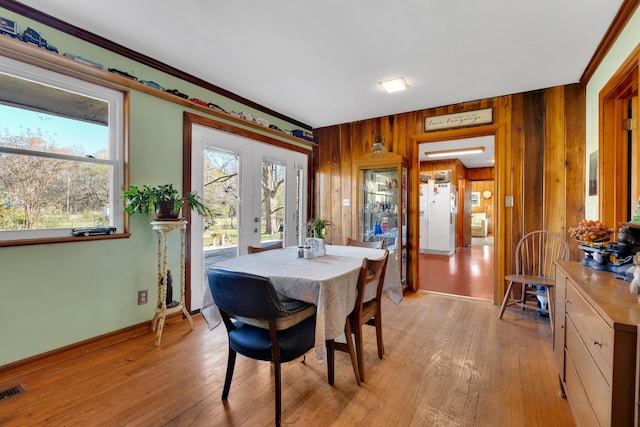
(438, 209)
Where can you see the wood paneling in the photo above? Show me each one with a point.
(539, 161)
(481, 174)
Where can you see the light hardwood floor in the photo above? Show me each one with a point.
(449, 361)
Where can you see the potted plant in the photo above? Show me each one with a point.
(164, 200)
(316, 232)
(318, 228)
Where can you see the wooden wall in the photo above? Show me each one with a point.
(540, 161)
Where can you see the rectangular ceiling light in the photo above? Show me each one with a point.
(394, 85)
(458, 152)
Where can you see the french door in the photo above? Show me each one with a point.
(257, 193)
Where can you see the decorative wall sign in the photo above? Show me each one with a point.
(457, 120)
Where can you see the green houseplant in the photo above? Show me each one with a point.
(318, 228)
(164, 200)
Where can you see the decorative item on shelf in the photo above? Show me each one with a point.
(378, 146)
(165, 200)
(590, 231)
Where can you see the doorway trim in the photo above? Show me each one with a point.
(498, 132)
(615, 188)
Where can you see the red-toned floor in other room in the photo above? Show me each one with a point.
(468, 272)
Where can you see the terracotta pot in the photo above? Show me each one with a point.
(164, 211)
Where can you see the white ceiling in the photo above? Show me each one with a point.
(319, 62)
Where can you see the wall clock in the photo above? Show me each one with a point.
(486, 194)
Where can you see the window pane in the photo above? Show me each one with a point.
(61, 134)
(273, 197)
(221, 195)
(43, 193)
(61, 153)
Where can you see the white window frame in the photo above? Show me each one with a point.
(116, 147)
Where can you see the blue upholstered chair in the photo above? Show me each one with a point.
(261, 324)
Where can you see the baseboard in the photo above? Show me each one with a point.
(80, 348)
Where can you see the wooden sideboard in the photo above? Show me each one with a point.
(595, 343)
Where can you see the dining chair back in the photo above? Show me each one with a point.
(372, 273)
(260, 324)
(265, 247)
(378, 244)
(535, 272)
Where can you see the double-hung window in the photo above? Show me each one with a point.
(61, 154)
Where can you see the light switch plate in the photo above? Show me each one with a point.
(346, 202)
(508, 201)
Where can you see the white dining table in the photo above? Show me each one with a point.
(329, 282)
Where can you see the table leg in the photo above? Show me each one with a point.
(160, 327)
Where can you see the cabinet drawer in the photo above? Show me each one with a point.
(593, 330)
(587, 376)
(580, 407)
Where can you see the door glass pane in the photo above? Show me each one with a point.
(273, 201)
(300, 207)
(221, 171)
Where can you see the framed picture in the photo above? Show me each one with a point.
(593, 173)
(475, 198)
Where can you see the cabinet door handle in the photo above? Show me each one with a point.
(596, 342)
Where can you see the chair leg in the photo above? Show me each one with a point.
(277, 367)
(505, 301)
(376, 322)
(352, 355)
(231, 363)
(550, 305)
(330, 361)
(379, 335)
(278, 377)
(359, 351)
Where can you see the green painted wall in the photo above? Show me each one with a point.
(58, 294)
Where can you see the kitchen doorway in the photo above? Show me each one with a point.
(470, 270)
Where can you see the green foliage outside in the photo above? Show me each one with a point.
(44, 193)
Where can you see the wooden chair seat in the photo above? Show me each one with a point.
(534, 276)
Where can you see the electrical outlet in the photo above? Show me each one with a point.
(142, 297)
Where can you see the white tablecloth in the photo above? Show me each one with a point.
(329, 282)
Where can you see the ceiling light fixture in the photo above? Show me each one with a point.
(394, 85)
(458, 152)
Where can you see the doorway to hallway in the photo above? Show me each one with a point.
(468, 272)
